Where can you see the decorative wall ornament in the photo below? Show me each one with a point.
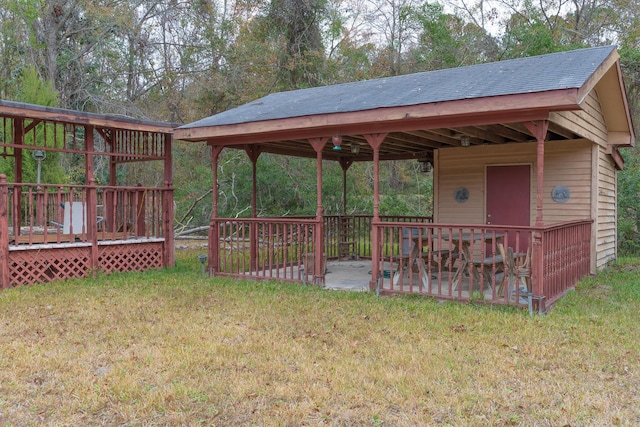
(461, 194)
(560, 193)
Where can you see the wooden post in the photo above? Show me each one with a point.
(4, 233)
(375, 141)
(110, 198)
(345, 227)
(253, 152)
(214, 232)
(91, 207)
(18, 139)
(318, 271)
(539, 131)
(169, 258)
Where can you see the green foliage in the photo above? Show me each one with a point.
(628, 208)
(535, 31)
(32, 89)
(448, 41)
(295, 26)
(181, 61)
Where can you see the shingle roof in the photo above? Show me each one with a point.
(563, 70)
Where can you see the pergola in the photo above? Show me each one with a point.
(51, 231)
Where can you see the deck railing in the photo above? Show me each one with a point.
(566, 252)
(349, 236)
(498, 264)
(458, 262)
(56, 232)
(265, 248)
(463, 262)
(284, 248)
(46, 213)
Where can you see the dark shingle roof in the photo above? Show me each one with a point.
(563, 70)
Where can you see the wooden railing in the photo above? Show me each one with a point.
(56, 232)
(458, 262)
(265, 248)
(349, 236)
(283, 248)
(547, 261)
(46, 214)
(566, 250)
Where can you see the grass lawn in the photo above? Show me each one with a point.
(170, 348)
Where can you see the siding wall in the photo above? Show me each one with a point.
(588, 123)
(575, 164)
(606, 239)
(566, 162)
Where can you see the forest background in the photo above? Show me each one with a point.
(179, 61)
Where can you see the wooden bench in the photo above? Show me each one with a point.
(39, 239)
(114, 235)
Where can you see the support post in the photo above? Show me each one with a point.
(253, 152)
(375, 141)
(539, 131)
(345, 164)
(4, 233)
(91, 207)
(214, 232)
(110, 197)
(18, 140)
(346, 242)
(318, 271)
(167, 205)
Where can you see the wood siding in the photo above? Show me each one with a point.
(606, 243)
(567, 163)
(588, 123)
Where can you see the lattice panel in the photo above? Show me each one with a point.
(47, 265)
(130, 257)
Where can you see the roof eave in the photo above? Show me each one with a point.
(616, 84)
(33, 111)
(476, 111)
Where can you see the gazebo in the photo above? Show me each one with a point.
(53, 231)
(524, 154)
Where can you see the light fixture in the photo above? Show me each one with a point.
(337, 140)
(355, 148)
(203, 259)
(39, 156)
(465, 140)
(425, 166)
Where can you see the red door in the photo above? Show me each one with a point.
(508, 198)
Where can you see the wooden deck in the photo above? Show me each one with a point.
(128, 238)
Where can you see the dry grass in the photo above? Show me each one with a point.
(170, 348)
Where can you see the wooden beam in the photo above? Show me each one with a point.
(479, 133)
(506, 132)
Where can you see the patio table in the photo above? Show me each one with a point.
(462, 245)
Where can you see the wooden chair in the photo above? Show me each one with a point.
(404, 257)
(517, 272)
(486, 265)
(409, 257)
